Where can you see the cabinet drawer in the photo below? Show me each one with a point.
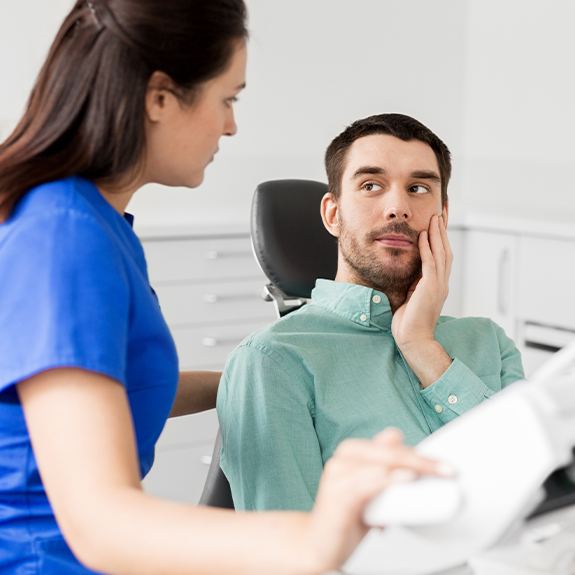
(223, 302)
(207, 347)
(201, 260)
(197, 428)
(547, 282)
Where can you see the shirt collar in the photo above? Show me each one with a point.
(362, 305)
(129, 218)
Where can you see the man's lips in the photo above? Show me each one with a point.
(394, 241)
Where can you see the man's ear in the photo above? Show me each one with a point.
(159, 96)
(330, 214)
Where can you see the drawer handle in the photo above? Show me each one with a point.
(215, 298)
(215, 342)
(220, 255)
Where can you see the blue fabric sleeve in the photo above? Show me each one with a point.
(64, 298)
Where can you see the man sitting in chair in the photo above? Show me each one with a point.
(370, 350)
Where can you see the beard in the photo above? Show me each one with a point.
(393, 274)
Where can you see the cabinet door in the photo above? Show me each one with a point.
(489, 277)
(547, 282)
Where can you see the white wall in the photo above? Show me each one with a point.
(493, 78)
(26, 31)
(314, 67)
(519, 119)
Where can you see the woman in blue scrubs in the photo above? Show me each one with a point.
(132, 92)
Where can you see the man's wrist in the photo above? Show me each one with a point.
(427, 358)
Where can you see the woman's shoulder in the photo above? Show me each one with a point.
(52, 199)
(70, 208)
(57, 220)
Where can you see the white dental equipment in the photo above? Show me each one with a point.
(503, 450)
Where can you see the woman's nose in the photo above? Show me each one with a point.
(230, 127)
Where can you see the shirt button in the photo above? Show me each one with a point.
(363, 317)
(452, 399)
(376, 299)
(438, 408)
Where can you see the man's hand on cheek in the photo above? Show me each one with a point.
(413, 324)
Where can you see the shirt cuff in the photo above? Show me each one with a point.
(455, 392)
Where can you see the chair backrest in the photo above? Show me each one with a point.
(289, 239)
(217, 492)
(293, 249)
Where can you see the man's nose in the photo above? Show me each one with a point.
(397, 206)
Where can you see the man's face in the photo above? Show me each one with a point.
(389, 191)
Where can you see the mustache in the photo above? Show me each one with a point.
(394, 228)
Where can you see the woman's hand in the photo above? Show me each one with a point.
(358, 471)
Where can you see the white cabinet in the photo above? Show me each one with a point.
(547, 281)
(490, 277)
(546, 312)
(210, 291)
(524, 281)
(210, 286)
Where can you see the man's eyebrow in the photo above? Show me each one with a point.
(363, 170)
(376, 170)
(240, 87)
(426, 175)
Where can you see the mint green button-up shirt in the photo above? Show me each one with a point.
(331, 370)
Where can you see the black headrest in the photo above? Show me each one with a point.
(288, 236)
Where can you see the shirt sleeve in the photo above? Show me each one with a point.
(459, 389)
(270, 451)
(64, 298)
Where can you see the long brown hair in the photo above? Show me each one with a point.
(85, 115)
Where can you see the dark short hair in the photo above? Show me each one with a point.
(398, 125)
(86, 113)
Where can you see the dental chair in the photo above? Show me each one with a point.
(293, 249)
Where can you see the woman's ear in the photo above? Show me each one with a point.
(159, 96)
(330, 214)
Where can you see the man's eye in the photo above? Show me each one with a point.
(418, 189)
(371, 187)
(231, 101)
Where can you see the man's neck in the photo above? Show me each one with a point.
(396, 298)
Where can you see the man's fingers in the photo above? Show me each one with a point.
(427, 261)
(436, 244)
(446, 247)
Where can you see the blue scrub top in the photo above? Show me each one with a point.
(74, 292)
